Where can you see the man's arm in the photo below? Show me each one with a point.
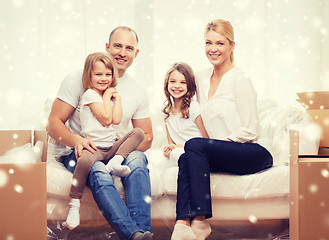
(60, 113)
(146, 125)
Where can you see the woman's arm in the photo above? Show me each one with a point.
(200, 125)
(246, 104)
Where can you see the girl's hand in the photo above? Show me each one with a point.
(116, 96)
(229, 140)
(168, 149)
(167, 152)
(109, 92)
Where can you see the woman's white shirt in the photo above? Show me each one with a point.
(232, 111)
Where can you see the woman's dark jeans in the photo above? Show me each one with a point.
(203, 156)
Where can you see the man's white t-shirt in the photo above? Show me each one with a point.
(102, 136)
(134, 100)
(71, 91)
(182, 129)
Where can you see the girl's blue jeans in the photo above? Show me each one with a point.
(125, 218)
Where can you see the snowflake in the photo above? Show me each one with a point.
(18, 188)
(74, 182)
(325, 173)
(252, 218)
(313, 188)
(147, 199)
(72, 163)
(3, 178)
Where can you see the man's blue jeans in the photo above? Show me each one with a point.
(128, 218)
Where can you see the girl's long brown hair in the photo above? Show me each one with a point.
(187, 71)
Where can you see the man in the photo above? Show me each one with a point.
(131, 220)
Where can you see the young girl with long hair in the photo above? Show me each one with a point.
(100, 108)
(183, 120)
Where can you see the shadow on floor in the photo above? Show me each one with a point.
(162, 231)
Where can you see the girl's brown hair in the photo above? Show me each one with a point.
(89, 65)
(222, 27)
(187, 71)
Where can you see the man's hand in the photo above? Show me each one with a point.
(84, 144)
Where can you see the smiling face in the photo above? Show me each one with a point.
(101, 77)
(218, 48)
(177, 85)
(122, 49)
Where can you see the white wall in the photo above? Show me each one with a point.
(283, 45)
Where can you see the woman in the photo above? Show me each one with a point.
(228, 108)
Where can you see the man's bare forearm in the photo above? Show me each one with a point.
(57, 130)
(146, 144)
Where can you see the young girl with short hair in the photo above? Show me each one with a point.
(100, 108)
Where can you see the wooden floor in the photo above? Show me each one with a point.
(266, 230)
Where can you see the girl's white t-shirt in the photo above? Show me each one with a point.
(134, 100)
(182, 129)
(91, 128)
(133, 97)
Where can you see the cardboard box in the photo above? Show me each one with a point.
(324, 151)
(317, 106)
(23, 190)
(312, 198)
(309, 181)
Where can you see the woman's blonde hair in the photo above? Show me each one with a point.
(224, 28)
(187, 71)
(89, 66)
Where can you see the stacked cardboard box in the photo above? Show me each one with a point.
(309, 176)
(23, 190)
(317, 106)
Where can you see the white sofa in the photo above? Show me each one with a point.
(255, 206)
